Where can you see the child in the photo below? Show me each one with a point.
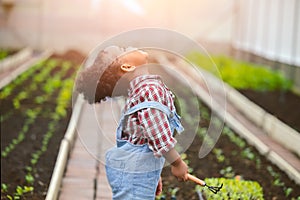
(145, 133)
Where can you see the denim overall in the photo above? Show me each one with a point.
(132, 170)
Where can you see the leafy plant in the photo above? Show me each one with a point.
(274, 174)
(3, 54)
(29, 178)
(227, 172)
(4, 187)
(20, 191)
(288, 191)
(247, 153)
(219, 155)
(233, 189)
(278, 182)
(241, 75)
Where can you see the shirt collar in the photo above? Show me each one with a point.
(133, 83)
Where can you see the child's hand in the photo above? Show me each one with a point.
(159, 187)
(180, 170)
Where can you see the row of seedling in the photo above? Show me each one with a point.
(57, 84)
(53, 83)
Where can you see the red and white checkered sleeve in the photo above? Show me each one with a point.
(155, 123)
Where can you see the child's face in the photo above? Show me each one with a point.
(135, 58)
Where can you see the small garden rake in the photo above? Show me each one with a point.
(214, 189)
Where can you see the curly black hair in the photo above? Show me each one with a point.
(97, 82)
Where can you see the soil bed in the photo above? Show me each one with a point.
(14, 167)
(282, 105)
(250, 166)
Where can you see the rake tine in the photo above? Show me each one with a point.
(215, 189)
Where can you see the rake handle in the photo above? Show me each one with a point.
(196, 180)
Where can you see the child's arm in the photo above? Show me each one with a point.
(179, 168)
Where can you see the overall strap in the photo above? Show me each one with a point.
(149, 104)
(140, 106)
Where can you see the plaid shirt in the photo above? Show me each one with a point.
(149, 125)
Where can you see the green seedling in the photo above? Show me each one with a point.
(173, 193)
(227, 172)
(288, 191)
(4, 187)
(219, 155)
(247, 153)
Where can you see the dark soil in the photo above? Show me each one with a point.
(282, 104)
(254, 169)
(13, 169)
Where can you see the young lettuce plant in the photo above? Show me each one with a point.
(234, 189)
(219, 155)
(227, 172)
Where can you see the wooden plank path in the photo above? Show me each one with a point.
(85, 176)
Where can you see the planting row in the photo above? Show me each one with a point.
(268, 88)
(35, 109)
(240, 74)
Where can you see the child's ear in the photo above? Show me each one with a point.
(127, 68)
